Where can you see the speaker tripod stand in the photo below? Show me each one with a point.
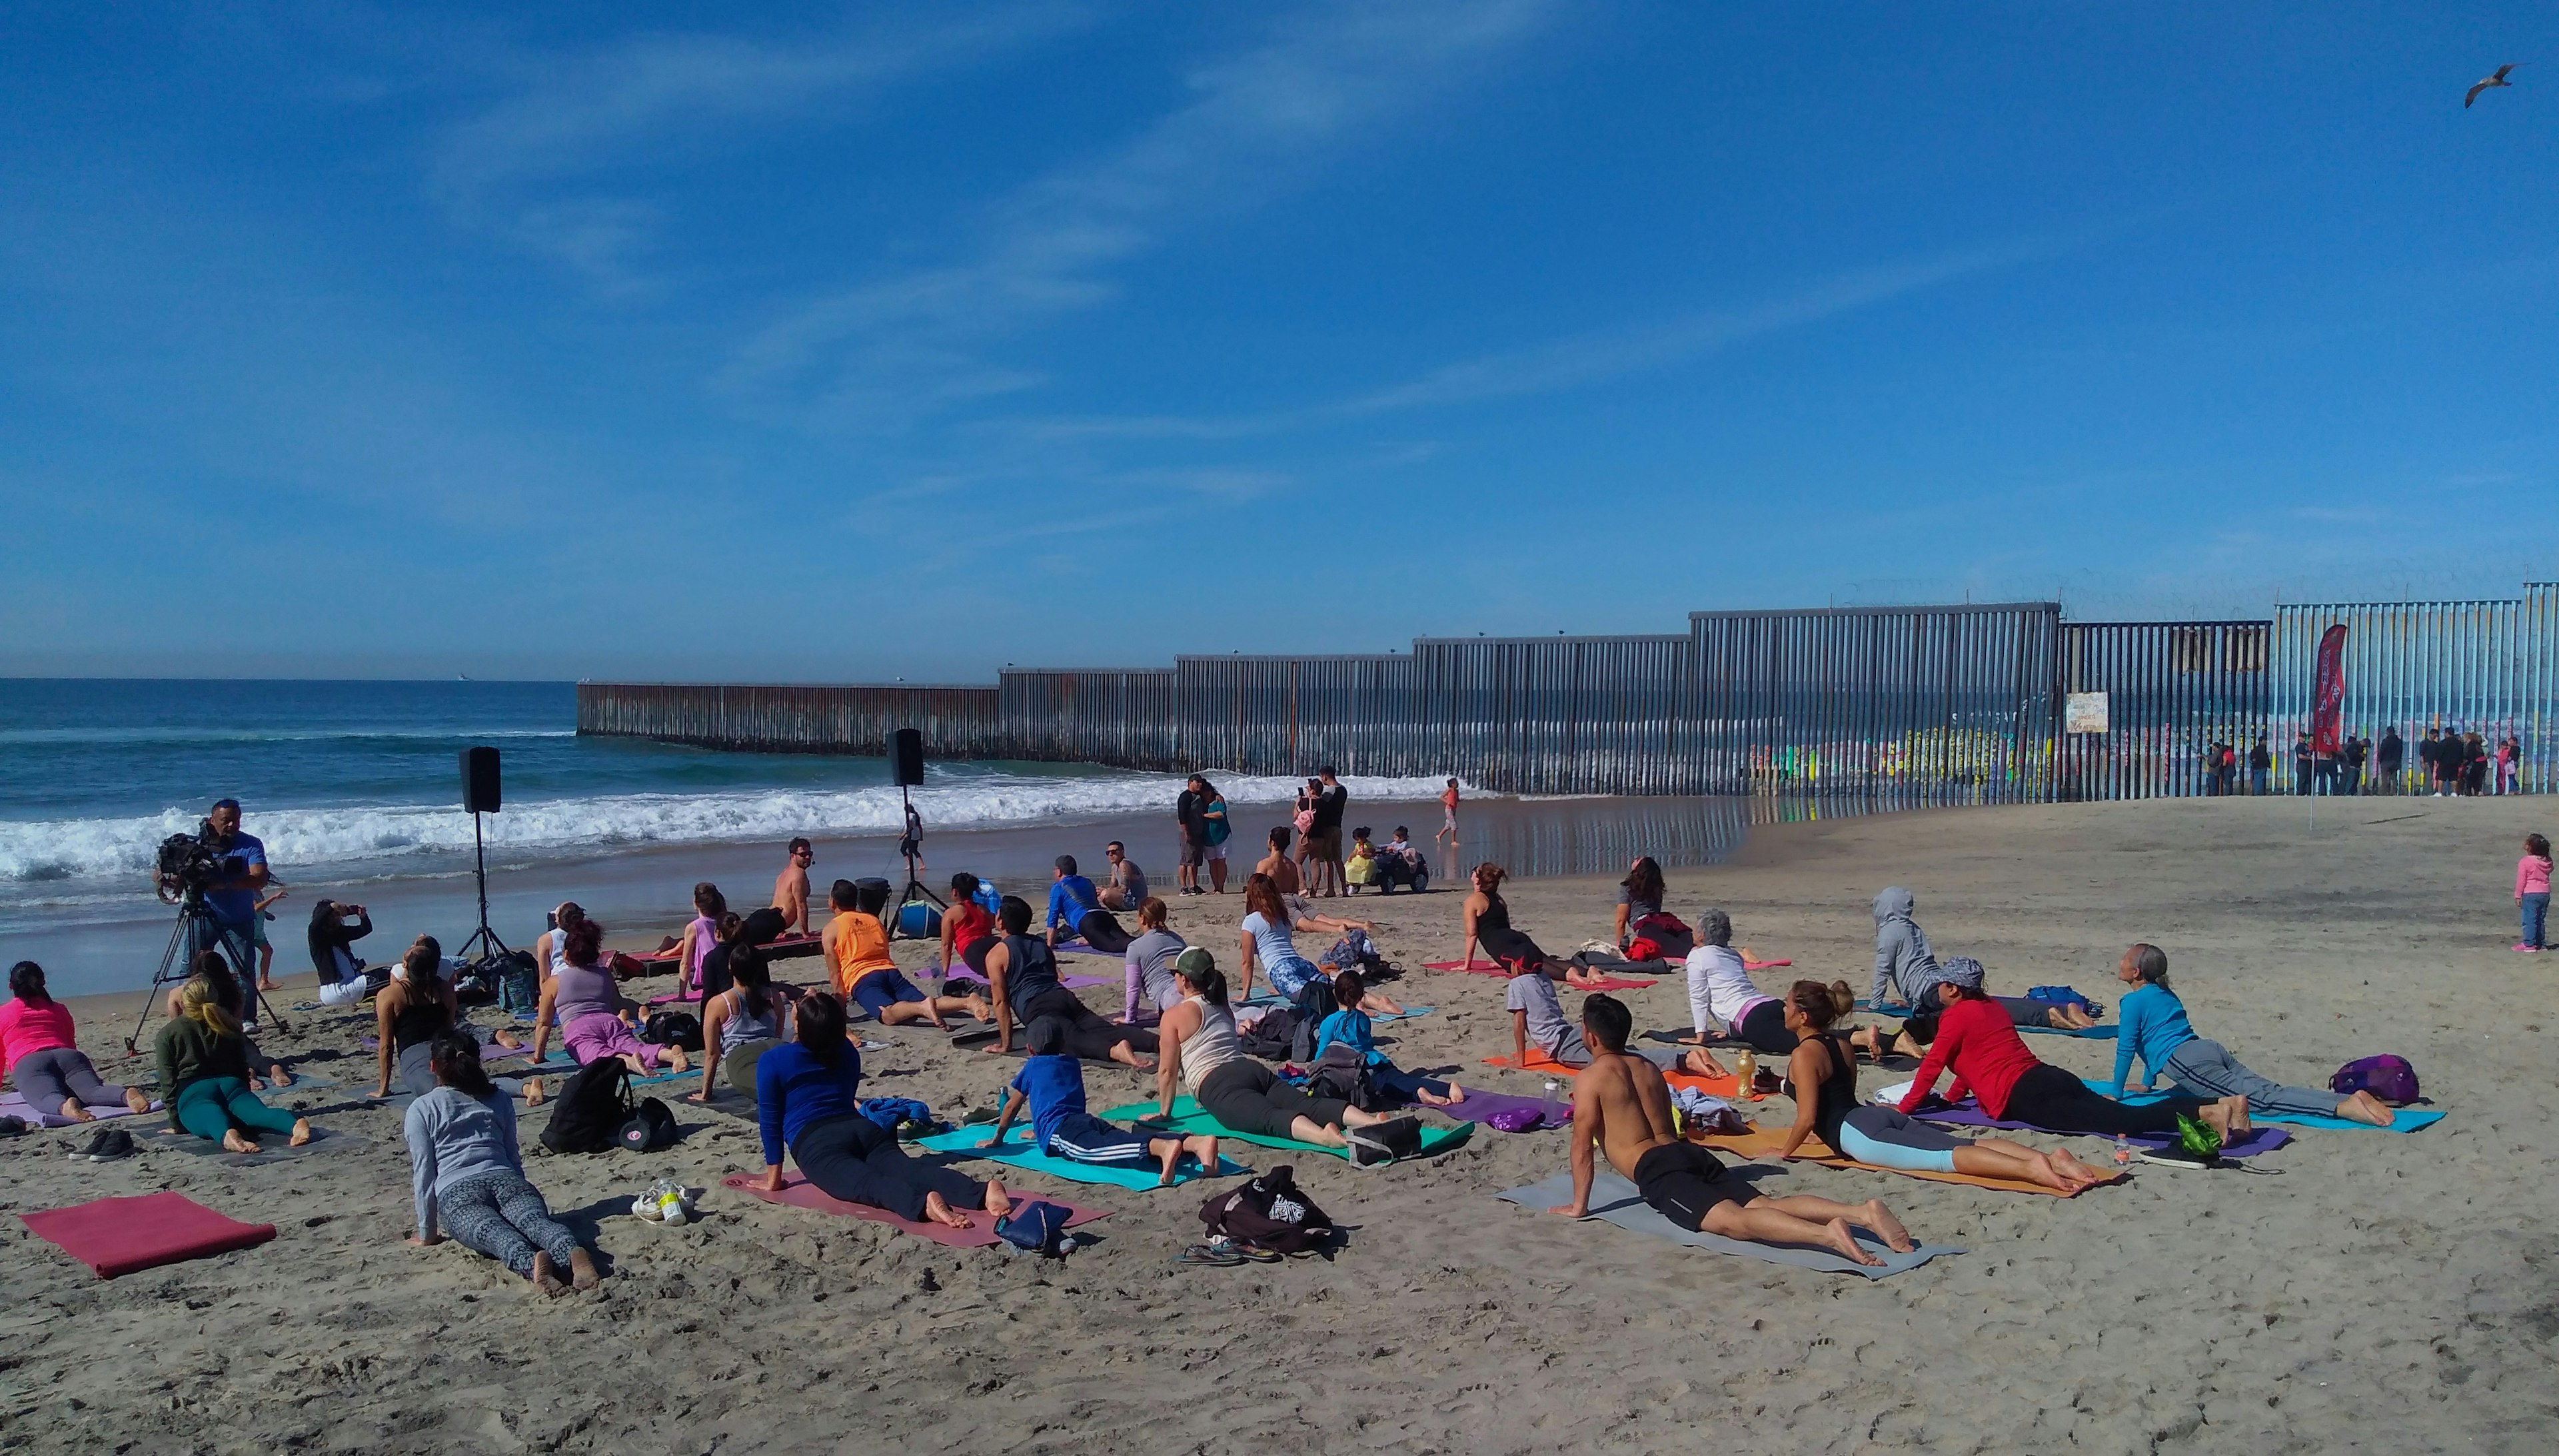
(911, 844)
(484, 938)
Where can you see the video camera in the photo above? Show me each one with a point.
(189, 865)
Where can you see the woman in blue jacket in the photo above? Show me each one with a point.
(2153, 1029)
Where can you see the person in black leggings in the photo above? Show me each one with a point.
(1023, 972)
(808, 1099)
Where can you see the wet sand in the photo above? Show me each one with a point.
(2353, 1289)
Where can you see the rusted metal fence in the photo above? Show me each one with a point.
(1941, 704)
(2486, 666)
(2169, 691)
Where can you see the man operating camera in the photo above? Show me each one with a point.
(233, 893)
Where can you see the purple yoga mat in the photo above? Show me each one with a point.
(1969, 1113)
(1480, 1106)
(1071, 982)
(14, 1105)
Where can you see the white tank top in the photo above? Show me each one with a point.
(1209, 1048)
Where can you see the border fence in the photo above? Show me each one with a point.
(1994, 703)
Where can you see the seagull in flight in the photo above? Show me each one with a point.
(2497, 79)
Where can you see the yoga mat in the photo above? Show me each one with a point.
(1969, 1113)
(798, 1192)
(1487, 967)
(1614, 1200)
(1727, 1087)
(1763, 1144)
(1018, 1152)
(124, 1235)
(2403, 1119)
(14, 1105)
(1071, 981)
(1188, 1118)
(272, 1146)
(787, 949)
(2108, 1031)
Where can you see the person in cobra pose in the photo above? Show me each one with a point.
(50, 1070)
(2155, 1032)
(741, 1024)
(1199, 1047)
(1023, 972)
(1822, 1079)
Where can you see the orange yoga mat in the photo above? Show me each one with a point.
(1764, 1144)
(1728, 1088)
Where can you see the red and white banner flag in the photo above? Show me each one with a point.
(2328, 693)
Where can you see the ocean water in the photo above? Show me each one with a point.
(359, 781)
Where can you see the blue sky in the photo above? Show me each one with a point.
(910, 341)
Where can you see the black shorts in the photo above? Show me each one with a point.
(1682, 1182)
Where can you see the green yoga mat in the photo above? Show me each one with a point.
(1018, 1152)
(1188, 1118)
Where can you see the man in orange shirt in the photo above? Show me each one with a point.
(856, 947)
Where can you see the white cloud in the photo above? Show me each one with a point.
(885, 353)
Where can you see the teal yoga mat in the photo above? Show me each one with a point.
(1188, 1118)
(1018, 1152)
(2404, 1119)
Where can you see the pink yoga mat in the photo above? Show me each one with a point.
(120, 1236)
(797, 1192)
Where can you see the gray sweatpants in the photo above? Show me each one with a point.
(2206, 1069)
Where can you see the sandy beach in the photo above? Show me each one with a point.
(2354, 1289)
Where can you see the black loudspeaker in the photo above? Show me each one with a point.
(906, 748)
(480, 780)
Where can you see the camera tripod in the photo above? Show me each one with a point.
(199, 927)
(912, 842)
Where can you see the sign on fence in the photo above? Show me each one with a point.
(2083, 713)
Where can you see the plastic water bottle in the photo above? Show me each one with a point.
(2123, 1151)
(1552, 1088)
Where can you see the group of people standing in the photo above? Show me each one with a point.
(2448, 763)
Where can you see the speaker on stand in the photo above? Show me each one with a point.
(480, 796)
(906, 760)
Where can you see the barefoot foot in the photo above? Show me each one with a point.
(937, 1212)
(999, 1202)
(301, 1132)
(1845, 1244)
(546, 1276)
(234, 1143)
(1880, 1220)
(73, 1109)
(582, 1270)
(137, 1099)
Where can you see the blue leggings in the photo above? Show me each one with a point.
(1888, 1140)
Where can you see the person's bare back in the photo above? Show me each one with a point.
(1628, 1108)
(1282, 872)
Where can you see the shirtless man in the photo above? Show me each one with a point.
(1621, 1102)
(791, 888)
(1279, 866)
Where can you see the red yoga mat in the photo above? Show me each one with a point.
(800, 1193)
(122, 1236)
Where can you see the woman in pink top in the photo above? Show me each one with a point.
(51, 1071)
(2532, 893)
(700, 936)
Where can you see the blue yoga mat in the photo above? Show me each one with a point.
(2404, 1119)
(1018, 1152)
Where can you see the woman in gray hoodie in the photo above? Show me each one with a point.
(1903, 961)
(469, 1178)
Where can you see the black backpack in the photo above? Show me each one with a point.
(590, 1111)
(674, 1029)
(1270, 1038)
(1314, 1002)
(1268, 1213)
(650, 1128)
(1343, 1075)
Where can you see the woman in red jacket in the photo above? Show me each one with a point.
(1979, 1043)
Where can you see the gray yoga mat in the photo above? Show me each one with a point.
(272, 1146)
(1614, 1200)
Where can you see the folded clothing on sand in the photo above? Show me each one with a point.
(1018, 1152)
(798, 1192)
(1614, 1200)
(122, 1236)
